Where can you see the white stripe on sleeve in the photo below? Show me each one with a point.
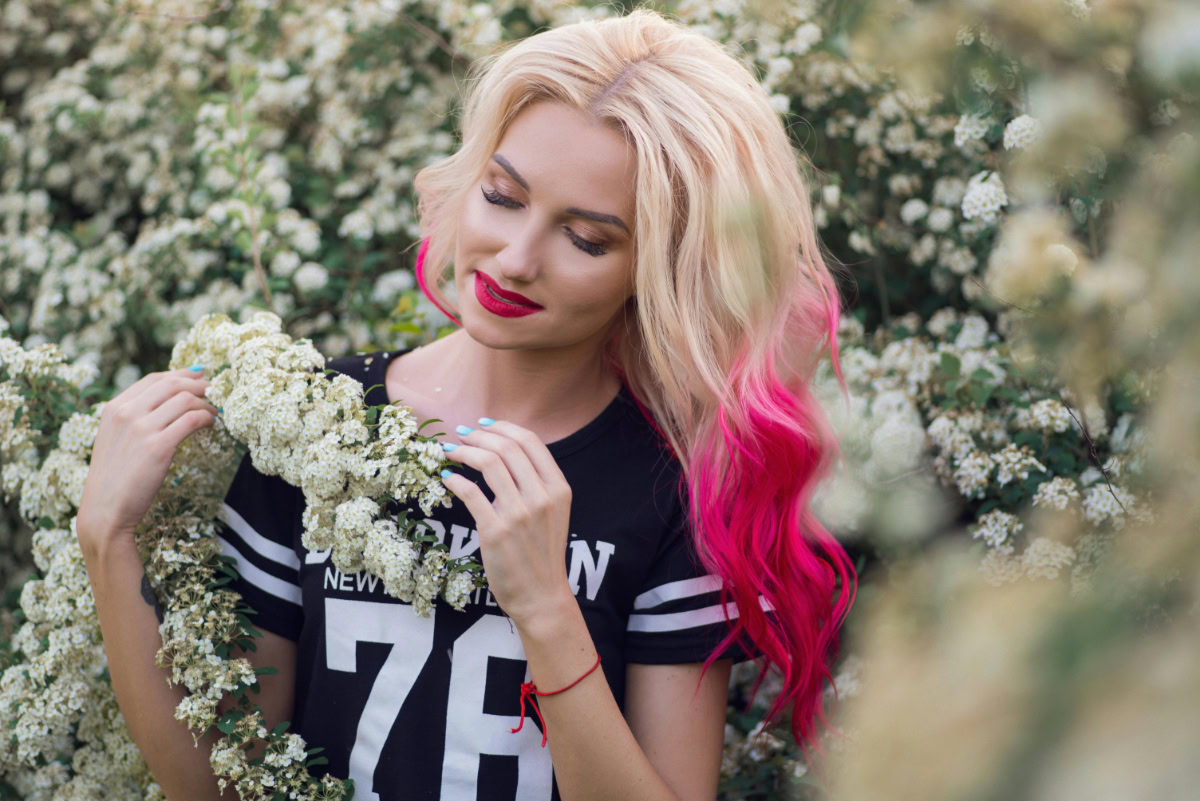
(677, 621)
(260, 578)
(261, 545)
(675, 590)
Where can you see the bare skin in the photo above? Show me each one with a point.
(413, 379)
(543, 371)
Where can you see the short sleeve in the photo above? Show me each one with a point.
(677, 615)
(257, 524)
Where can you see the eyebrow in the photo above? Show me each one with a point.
(590, 215)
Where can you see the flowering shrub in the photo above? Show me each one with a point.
(1010, 176)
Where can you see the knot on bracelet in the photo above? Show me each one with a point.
(529, 689)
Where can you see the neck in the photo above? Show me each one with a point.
(530, 387)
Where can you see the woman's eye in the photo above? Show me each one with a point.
(587, 246)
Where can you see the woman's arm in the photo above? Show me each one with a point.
(140, 431)
(683, 736)
(670, 749)
(129, 626)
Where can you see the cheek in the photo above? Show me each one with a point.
(472, 221)
(597, 294)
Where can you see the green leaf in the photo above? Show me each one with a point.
(950, 364)
(280, 728)
(317, 761)
(229, 720)
(980, 394)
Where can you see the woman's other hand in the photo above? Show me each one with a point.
(140, 430)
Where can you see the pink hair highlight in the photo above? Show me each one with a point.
(750, 492)
(419, 269)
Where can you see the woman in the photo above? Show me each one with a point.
(642, 301)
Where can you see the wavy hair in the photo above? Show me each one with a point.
(734, 306)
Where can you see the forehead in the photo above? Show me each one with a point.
(570, 160)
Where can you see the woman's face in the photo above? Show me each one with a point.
(550, 218)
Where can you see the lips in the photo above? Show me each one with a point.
(514, 297)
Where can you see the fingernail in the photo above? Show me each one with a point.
(195, 368)
(448, 446)
(486, 421)
(446, 474)
(222, 411)
(214, 417)
(463, 430)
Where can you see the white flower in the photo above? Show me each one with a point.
(285, 263)
(310, 277)
(1043, 558)
(913, 210)
(357, 224)
(1021, 132)
(985, 196)
(391, 284)
(1057, 493)
(940, 219)
(996, 528)
(970, 127)
(830, 195)
(861, 242)
(1034, 250)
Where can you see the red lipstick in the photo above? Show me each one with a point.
(501, 301)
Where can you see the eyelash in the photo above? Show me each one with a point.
(591, 248)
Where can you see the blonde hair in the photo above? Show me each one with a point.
(733, 307)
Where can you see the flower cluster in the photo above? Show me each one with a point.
(297, 422)
(935, 399)
(312, 431)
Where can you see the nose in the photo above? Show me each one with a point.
(519, 260)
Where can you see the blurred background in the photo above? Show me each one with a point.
(1014, 186)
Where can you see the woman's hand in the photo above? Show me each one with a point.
(523, 533)
(139, 432)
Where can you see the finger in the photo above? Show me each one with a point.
(139, 387)
(168, 387)
(175, 407)
(185, 424)
(491, 465)
(473, 498)
(536, 452)
(522, 471)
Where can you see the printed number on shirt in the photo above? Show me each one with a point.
(470, 732)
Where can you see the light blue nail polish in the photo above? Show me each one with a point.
(448, 446)
(463, 430)
(446, 474)
(486, 421)
(222, 411)
(195, 368)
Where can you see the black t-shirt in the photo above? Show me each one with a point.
(422, 708)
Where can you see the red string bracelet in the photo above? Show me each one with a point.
(529, 688)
